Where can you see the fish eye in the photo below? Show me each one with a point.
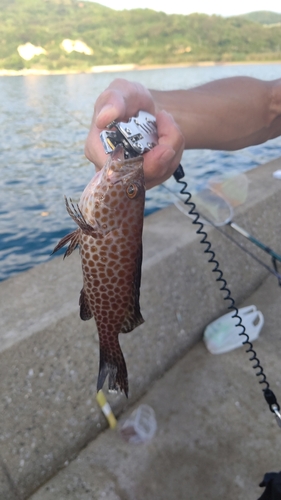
(132, 191)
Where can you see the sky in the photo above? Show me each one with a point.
(219, 7)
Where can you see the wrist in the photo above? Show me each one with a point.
(157, 97)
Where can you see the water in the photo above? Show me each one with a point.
(44, 122)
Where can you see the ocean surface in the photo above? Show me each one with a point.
(44, 124)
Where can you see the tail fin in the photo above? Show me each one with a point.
(112, 363)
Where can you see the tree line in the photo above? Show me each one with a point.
(139, 36)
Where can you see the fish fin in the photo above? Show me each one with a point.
(112, 363)
(73, 238)
(85, 310)
(134, 317)
(132, 320)
(76, 214)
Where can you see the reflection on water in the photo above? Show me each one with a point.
(44, 122)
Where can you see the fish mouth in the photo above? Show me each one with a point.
(118, 156)
(119, 167)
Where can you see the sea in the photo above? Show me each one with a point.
(44, 123)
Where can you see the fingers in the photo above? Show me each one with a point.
(122, 100)
(162, 161)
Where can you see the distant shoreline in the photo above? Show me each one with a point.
(125, 67)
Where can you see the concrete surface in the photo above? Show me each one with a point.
(216, 436)
(49, 357)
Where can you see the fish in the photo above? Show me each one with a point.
(110, 216)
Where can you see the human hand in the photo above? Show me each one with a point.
(122, 100)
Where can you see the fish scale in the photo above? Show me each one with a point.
(110, 221)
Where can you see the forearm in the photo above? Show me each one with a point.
(226, 114)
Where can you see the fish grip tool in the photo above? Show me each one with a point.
(138, 136)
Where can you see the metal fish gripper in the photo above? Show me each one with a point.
(137, 136)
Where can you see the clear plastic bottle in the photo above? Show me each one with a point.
(140, 426)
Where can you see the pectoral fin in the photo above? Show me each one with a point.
(134, 317)
(78, 217)
(72, 239)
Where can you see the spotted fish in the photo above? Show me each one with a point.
(110, 221)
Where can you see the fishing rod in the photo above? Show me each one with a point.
(234, 191)
(254, 240)
(228, 236)
(221, 214)
(274, 256)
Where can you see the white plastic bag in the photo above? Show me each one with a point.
(277, 174)
(222, 335)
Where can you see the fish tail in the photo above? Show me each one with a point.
(112, 363)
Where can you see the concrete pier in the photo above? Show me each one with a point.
(216, 436)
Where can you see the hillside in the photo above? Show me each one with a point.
(139, 36)
(263, 17)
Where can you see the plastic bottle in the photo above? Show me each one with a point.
(140, 426)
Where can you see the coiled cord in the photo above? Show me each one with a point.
(259, 371)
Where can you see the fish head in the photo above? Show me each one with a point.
(128, 173)
(115, 189)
